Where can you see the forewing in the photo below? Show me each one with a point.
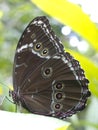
(37, 44)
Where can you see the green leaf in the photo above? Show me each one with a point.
(72, 15)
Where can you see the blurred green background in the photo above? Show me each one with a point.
(80, 41)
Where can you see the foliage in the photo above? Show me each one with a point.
(14, 17)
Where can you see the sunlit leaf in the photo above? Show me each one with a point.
(1, 14)
(72, 15)
(29, 121)
(63, 128)
(1, 91)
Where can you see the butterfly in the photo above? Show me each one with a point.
(46, 79)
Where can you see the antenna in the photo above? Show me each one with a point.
(5, 85)
(3, 97)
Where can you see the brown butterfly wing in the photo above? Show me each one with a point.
(47, 80)
(37, 44)
(60, 92)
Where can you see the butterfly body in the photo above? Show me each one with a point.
(46, 79)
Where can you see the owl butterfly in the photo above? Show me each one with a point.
(46, 79)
